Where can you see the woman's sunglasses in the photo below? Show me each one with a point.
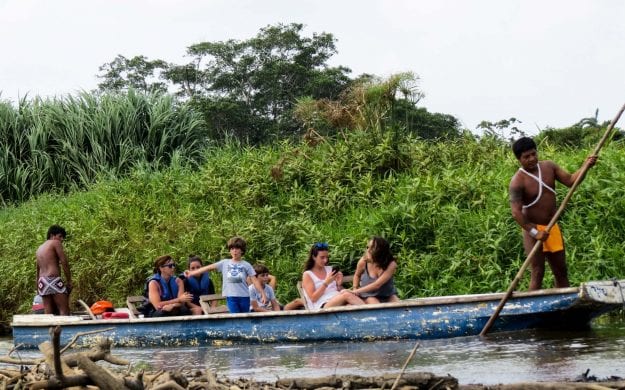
(170, 265)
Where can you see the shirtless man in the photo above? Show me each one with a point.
(533, 203)
(50, 286)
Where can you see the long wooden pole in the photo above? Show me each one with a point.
(553, 221)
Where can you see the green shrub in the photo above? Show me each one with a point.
(443, 206)
(65, 143)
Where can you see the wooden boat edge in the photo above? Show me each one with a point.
(589, 291)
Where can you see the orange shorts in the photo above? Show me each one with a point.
(554, 243)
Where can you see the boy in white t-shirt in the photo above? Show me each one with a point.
(236, 272)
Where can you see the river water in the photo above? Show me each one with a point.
(501, 358)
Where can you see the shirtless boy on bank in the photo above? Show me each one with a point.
(50, 258)
(533, 203)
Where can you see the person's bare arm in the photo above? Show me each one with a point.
(260, 289)
(516, 203)
(385, 277)
(154, 296)
(201, 270)
(309, 286)
(568, 179)
(255, 307)
(360, 268)
(273, 282)
(60, 253)
(183, 296)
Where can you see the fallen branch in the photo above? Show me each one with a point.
(54, 383)
(102, 351)
(100, 376)
(419, 380)
(403, 369)
(79, 334)
(168, 385)
(18, 362)
(55, 334)
(135, 383)
(10, 373)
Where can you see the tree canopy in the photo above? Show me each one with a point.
(249, 89)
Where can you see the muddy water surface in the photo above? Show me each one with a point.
(503, 358)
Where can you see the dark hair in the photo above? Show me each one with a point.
(380, 251)
(159, 262)
(260, 269)
(237, 242)
(54, 230)
(193, 258)
(314, 251)
(521, 145)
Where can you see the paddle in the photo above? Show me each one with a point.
(553, 221)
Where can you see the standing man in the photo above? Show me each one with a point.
(50, 259)
(533, 203)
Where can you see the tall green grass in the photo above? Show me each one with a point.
(443, 206)
(64, 143)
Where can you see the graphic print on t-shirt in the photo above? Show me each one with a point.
(235, 273)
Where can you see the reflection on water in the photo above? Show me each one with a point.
(502, 358)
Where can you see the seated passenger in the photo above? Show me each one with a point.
(165, 292)
(321, 284)
(271, 281)
(265, 279)
(197, 285)
(373, 279)
(262, 274)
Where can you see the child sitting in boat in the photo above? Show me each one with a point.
(262, 274)
(235, 272)
(264, 277)
(322, 285)
(373, 279)
(197, 285)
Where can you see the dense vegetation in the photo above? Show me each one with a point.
(64, 143)
(262, 138)
(443, 206)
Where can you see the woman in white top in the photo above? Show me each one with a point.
(322, 286)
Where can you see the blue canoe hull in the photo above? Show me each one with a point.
(424, 318)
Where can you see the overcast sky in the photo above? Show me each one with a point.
(547, 63)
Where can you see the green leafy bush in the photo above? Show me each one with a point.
(65, 143)
(443, 206)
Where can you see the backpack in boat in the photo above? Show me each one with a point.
(145, 307)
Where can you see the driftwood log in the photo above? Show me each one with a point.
(420, 380)
(550, 386)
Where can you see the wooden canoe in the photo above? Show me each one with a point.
(422, 318)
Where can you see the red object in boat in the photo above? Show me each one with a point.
(114, 314)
